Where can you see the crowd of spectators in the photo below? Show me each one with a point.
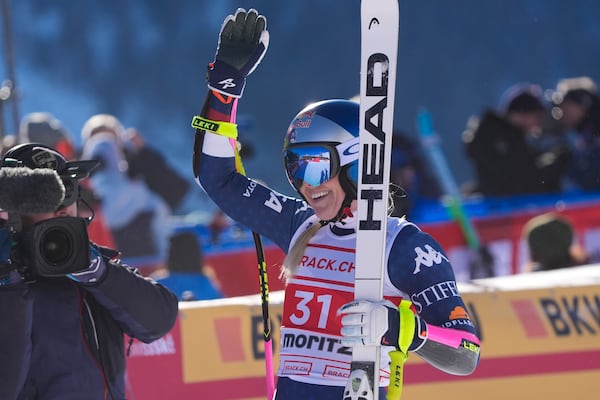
(534, 142)
(132, 193)
(504, 147)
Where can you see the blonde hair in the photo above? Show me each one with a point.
(294, 256)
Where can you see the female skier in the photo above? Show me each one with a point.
(321, 322)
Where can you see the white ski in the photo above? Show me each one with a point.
(379, 49)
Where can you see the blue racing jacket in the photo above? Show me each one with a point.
(61, 340)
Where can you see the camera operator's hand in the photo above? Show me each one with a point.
(243, 42)
(94, 272)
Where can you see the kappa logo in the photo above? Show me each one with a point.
(428, 257)
(227, 83)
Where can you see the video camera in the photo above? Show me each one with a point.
(50, 248)
(54, 247)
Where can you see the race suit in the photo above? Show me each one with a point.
(416, 269)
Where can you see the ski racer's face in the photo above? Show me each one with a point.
(326, 198)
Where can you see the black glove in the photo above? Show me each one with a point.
(243, 42)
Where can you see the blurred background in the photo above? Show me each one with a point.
(144, 61)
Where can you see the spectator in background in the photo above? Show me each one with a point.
(577, 109)
(137, 218)
(217, 224)
(186, 274)
(46, 129)
(148, 164)
(409, 171)
(7, 142)
(550, 239)
(502, 146)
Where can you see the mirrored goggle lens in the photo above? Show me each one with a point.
(310, 164)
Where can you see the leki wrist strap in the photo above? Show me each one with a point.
(219, 127)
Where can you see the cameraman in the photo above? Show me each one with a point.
(62, 334)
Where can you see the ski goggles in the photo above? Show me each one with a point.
(317, 163)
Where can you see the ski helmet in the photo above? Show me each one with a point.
(322, 142)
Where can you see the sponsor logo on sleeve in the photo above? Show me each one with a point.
(432, 294)
(427, 257)
(458, 316)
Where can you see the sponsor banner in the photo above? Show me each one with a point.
(225, 342)
(539, 321)
(192, 362)
(539, 336)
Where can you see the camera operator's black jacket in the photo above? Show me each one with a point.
(63, 340)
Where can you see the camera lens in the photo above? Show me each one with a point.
(56, 246)
(59, 246)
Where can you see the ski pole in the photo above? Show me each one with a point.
(264, 291)
(262, 267)
(264, 299)
(484, 260)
